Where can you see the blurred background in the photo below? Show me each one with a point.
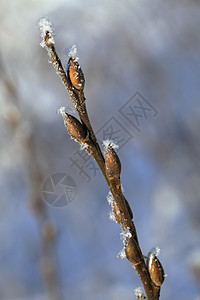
(134, 54)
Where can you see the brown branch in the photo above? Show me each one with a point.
(151, 276)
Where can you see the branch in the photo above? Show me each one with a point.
(151, 275)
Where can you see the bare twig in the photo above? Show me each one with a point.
(109, 164)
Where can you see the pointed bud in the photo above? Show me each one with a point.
(112, 163)
(155, 269)
(75, 128)
(75, 74)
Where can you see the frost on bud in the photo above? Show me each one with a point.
(46, 32)
(112, 163)
(75, 128)
(75, 74)
(155, 269)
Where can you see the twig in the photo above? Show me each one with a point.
(109, 164)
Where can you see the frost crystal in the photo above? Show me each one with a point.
(110, 198)
(139, 293)
(112, 216)
(84, 146)
(157, 251)
(122, 254)
(46, 26)
(61, 111)
(73, 53)
(107, 143)
(125, 234)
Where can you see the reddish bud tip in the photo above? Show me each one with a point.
(112, 163)
(75, 74)
(155, 269)
(74, 127)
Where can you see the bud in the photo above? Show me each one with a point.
(75, 128)
(75, 74)
(133, 253)
(112, 163)
(155, 269)
(128, 208)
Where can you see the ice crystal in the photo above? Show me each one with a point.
(46, 26)
(73, 53)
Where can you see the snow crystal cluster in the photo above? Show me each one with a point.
(139, 293)
(110, 202)
(46, 26)
(107, 143)
(61, 111)
(122, 254)
(110, 198)
(73, 53)
(125, 234)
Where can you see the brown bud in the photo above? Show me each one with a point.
(75, 74)
(112, 163)
(133, 253)
(155, 269)
(75, 128)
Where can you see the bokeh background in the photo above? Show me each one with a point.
(150, 47)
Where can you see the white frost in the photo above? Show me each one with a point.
(46, 26)
(139, 293)
(73, 53)
(125, 234)
(157, 251)
(107, 143)
(61, 111)
(84, 146)
(112, 216)
(110, 198)
(122, 254)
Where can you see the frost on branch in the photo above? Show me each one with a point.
(125, 234)
(110, 198)
(114, 214)
(46, 29)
